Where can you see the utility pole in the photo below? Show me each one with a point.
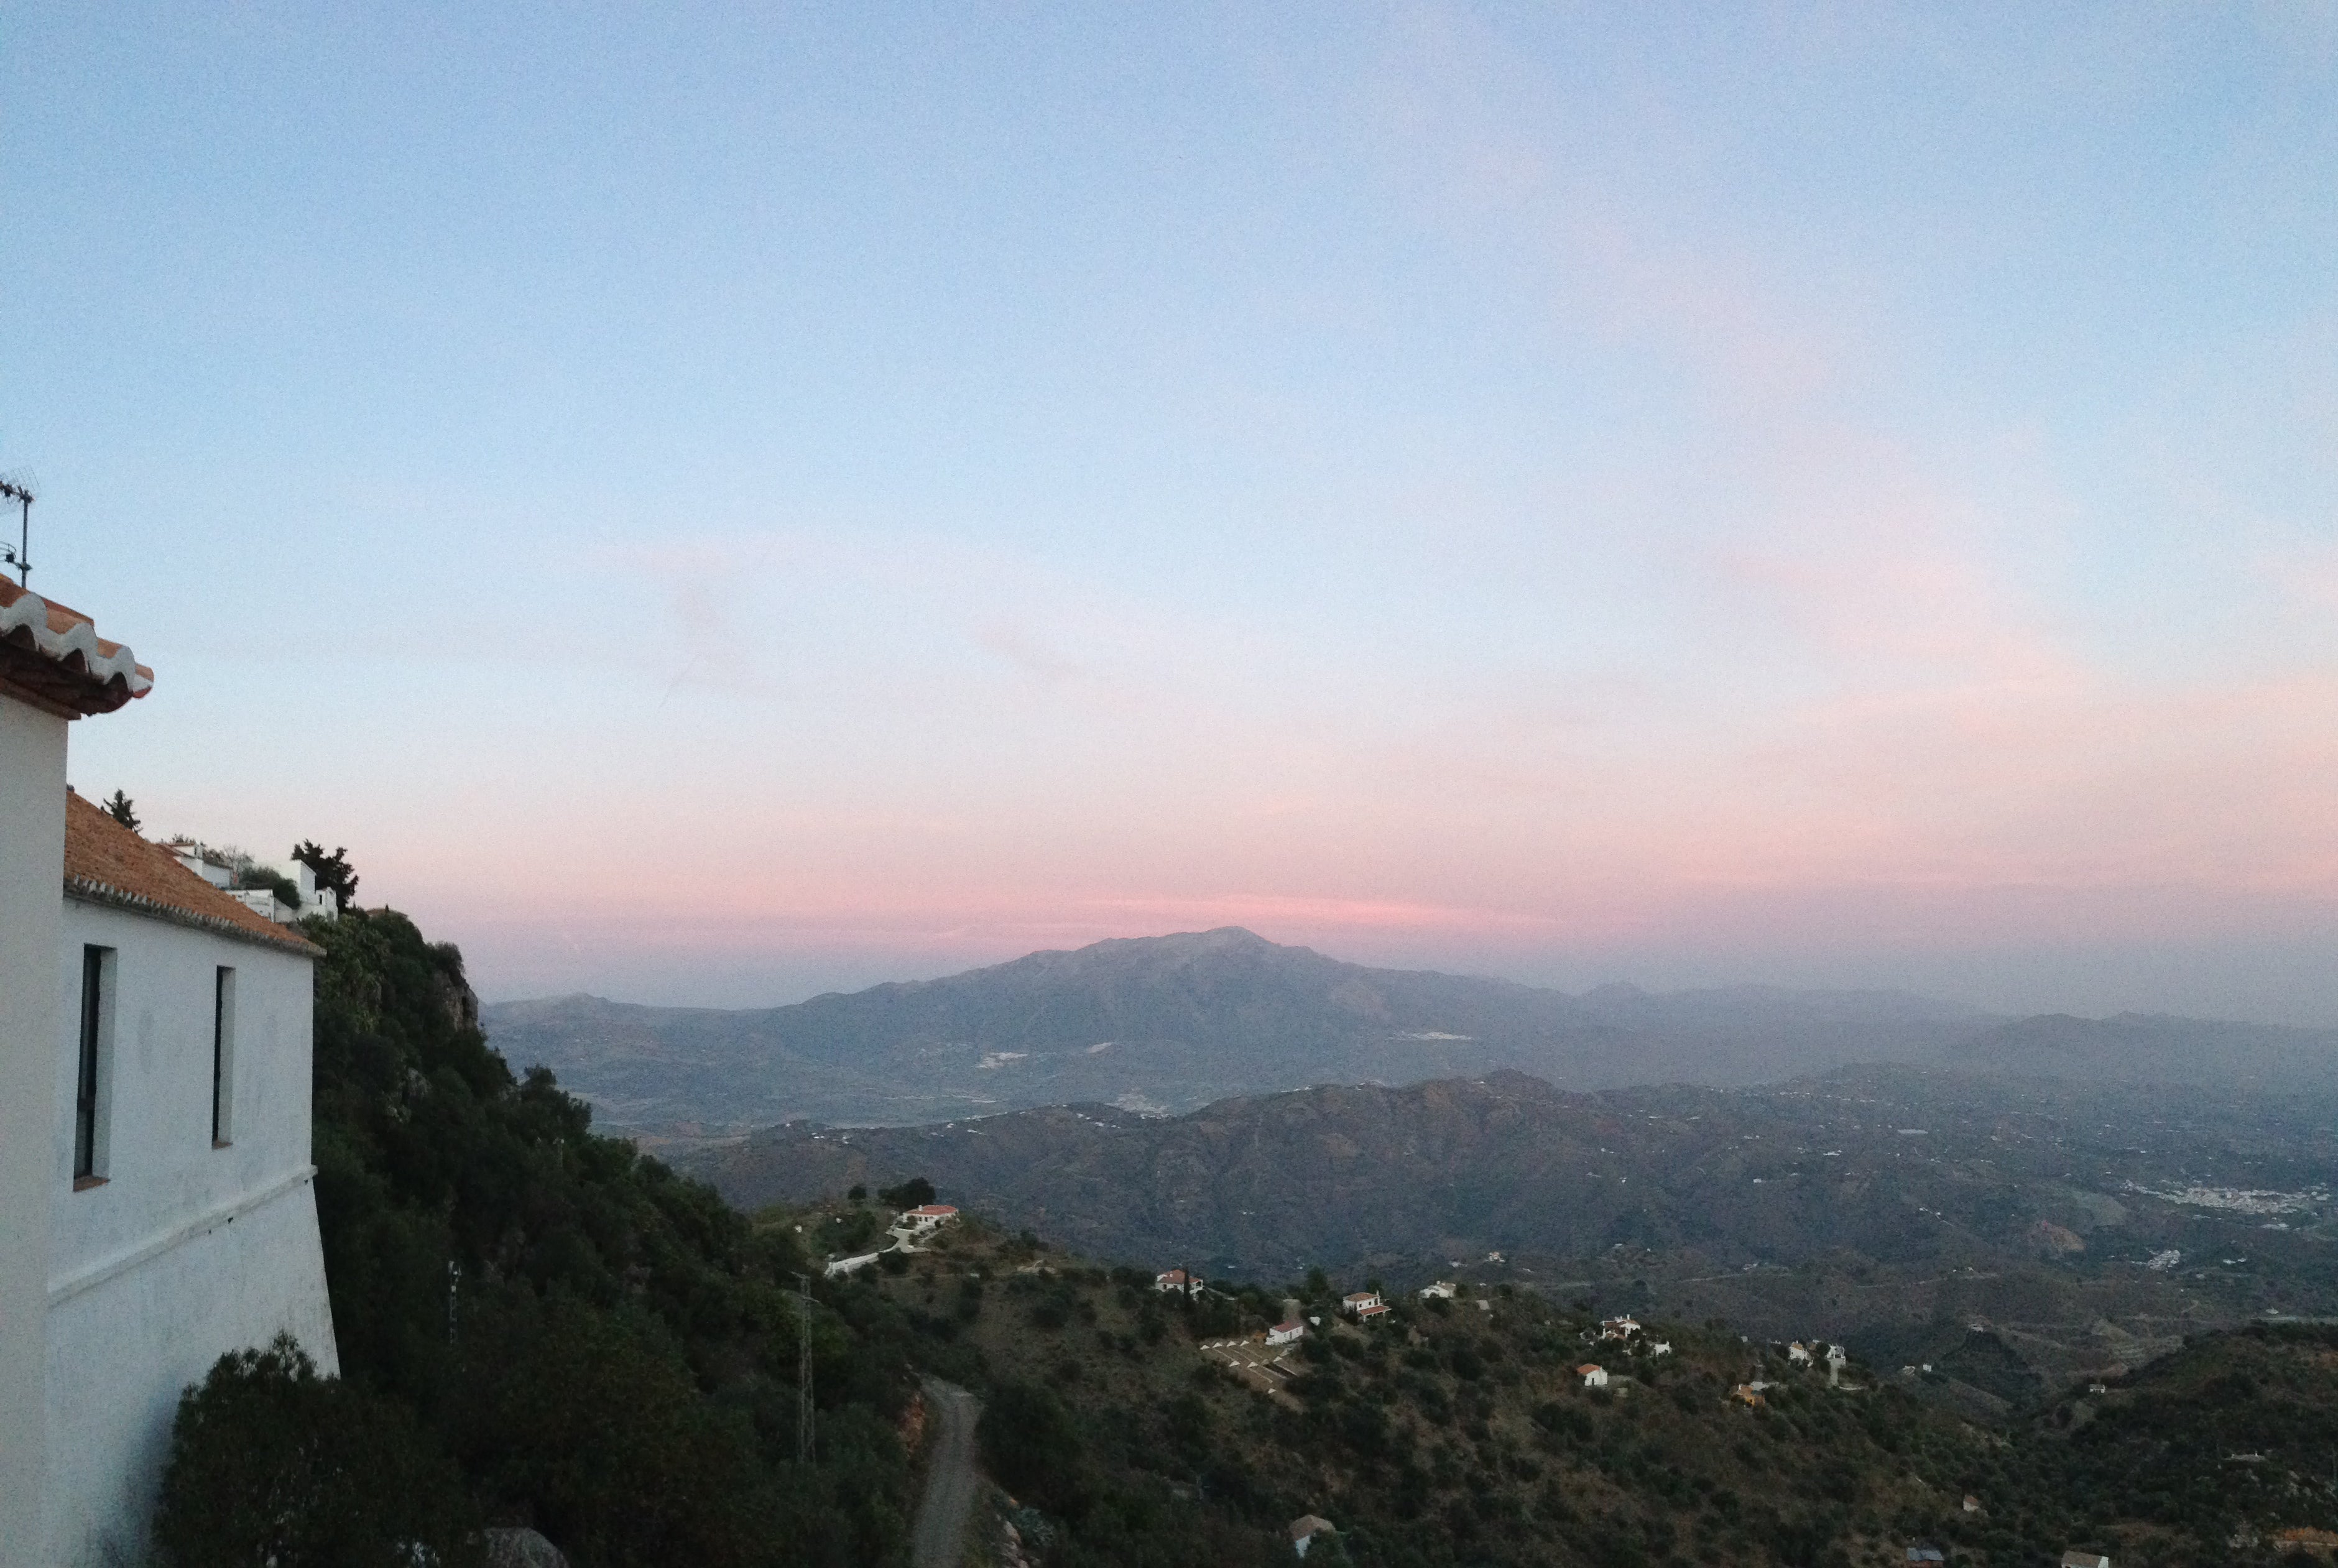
(803, 1371)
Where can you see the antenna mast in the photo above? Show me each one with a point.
(17, 556)
(803, 1371)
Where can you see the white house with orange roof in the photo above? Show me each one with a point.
(156, 1209)
(1179, 1282)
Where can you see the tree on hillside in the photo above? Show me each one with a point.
(333, 871)
(122, 809)
(617, 1362)
(915, 1193)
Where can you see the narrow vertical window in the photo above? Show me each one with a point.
(223, 1058)
(87, 1124)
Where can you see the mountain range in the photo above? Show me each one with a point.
(1168, 1023)
(1159, 1026)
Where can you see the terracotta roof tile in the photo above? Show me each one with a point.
(54, 655)
(106, 863)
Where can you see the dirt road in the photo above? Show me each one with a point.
(951, 1479)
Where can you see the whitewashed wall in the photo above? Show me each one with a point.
(32, 869)
(186, 1251)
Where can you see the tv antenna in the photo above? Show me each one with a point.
(16, 556)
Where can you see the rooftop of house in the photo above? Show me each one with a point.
(52, 656)
(106, 863)
(934, 1211)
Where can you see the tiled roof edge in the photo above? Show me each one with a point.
(28, 616)
(89, 890)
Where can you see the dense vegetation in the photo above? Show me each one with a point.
(537, 1325)
(1459, 1432)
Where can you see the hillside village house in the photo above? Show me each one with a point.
(156, 1209)
(926, 1216)
(1357, 1302)
(1176, 1282)
(214, 867)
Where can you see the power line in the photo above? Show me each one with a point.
(803, 1371)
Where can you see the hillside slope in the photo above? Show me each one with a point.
(1894, 1206)
(1461, 1432)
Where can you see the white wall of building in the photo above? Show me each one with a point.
(31, 867)
(185, 1251)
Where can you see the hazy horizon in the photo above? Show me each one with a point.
(727, 989)
(725, 505)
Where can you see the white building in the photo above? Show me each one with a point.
(1442, 1289)
(1593, 1375)
(926, 1216)
(1286, 1332)
(220, 871)
(1178, 1282)
(156, 1209)
(1356, 1302)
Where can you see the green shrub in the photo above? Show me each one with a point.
(272, 1464)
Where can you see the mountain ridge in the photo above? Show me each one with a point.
(1165, 1023)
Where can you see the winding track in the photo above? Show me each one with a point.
(940, 1541)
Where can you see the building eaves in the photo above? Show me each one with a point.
(85, 890)
(106, 863)
(52, 656)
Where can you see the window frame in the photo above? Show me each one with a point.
(93, 1066)
(224, 1032)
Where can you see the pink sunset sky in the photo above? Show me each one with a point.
(713, 509)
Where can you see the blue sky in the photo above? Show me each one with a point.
(721, 503)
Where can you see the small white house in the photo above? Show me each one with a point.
(926, 1216)
(1798, 1354)
(1661, 1347)
(1593, 1375)
(1618, 1328)
(1285, 1333)
(1355, 1302)
(1177, 1282)
(1305, 1528)
(221, 870)
(1443, 1290)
